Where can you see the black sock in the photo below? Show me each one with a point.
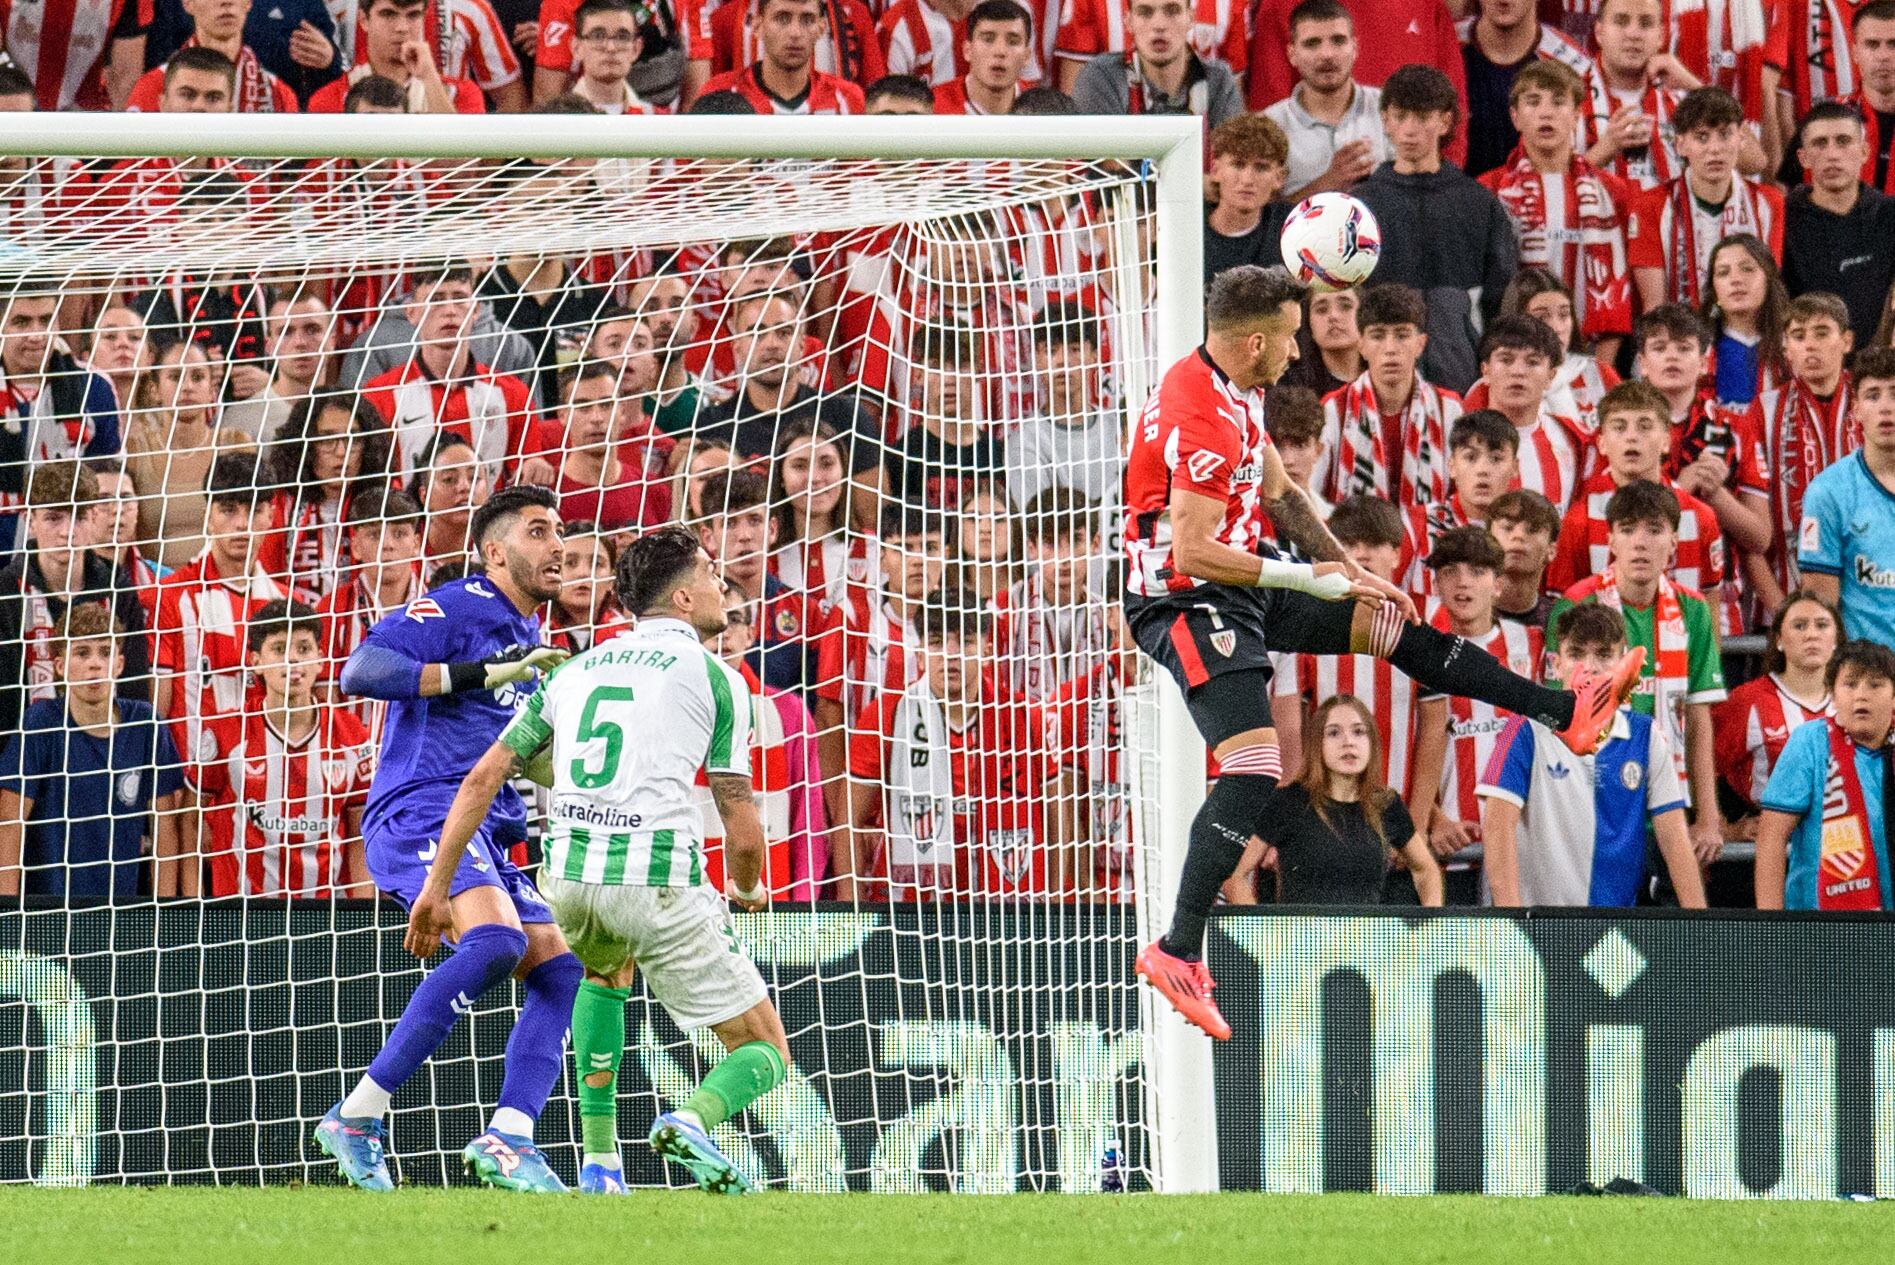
(1219, 834)
(1455, 665)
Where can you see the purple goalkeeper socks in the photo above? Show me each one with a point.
(486, 955)
(536, 1052)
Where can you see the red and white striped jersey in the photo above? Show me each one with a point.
(63, 45)
(867, 651)
(1749, 728)
(281, 812)
(829, 568)
(1040, 645)
(918, 39)
(1219, 29)
(826, 95)
(1090, 740)
(199, 632)
(1200, 432)
(1582, 550)
(951, 97)
(847, 48)
(1555, 458)
(1473, 726)
(993, 311)
(474, 46)
(138, 197)
(1059, 248)
(347, 615)
(305, 551)
(1389, 695)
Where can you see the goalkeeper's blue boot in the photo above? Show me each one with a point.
(677, 1138)
(358, 1145)
(597, 1179)
(511, 1163)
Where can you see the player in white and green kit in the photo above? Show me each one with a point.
(627, 725)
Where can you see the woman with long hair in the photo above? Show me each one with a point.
(1329, 344)
(332, 447)
(1538, 293)
(810, 501)
(450, 483)
(1750, 727)
(586, 610)
(120, 351)
(1745, 309)
(169, 446)
(1337, 830)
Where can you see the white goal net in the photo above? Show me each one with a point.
(247, 407)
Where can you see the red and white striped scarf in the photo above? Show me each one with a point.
(1360, 463)
(1805, 437)
(1652, 165)
(1722, 43)
(1745, 211)
(1589, 255)
(1872, 125)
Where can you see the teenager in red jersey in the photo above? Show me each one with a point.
(284, 782)
(1200, 479)
(384, 534)
(1749, 728)
(784, 78)
(996, 58)
(950, 778)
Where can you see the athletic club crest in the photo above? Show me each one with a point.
(1224, 641)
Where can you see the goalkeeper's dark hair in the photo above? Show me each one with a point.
(653, 566)
(377, 92)
(282, 616)
(952, 613)
(493, 519)
(1246, 294)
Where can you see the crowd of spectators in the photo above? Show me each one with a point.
(1622, 376)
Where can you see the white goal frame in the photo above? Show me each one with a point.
(1178, 1066)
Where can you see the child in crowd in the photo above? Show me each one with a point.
(1561, 829)
(1823, 840)
(1750, 727)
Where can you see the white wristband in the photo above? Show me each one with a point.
(753, 896)
(1278, 574)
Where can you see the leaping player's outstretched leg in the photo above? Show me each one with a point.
(1208, 599)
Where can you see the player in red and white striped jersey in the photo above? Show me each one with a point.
(1634, 440)
(1210, 608)
(784, 78)
(80, 54)
(471, 45)
(1370, 531)
(1455, 736)
(284, 782)
(994, 62)
(950, 778)
(1518, 355)
(1749, 728)
(205, 606)
(384, 533)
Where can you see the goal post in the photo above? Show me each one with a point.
(973, 1033)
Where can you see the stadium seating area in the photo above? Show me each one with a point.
(1634, 275)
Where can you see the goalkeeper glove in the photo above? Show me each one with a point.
(515, 663)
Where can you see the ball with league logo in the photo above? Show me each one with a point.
(1331, 241)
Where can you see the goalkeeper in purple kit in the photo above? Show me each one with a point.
(454, 667)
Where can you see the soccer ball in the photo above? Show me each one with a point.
(1331, 241)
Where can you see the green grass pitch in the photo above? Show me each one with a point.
(317, 1225)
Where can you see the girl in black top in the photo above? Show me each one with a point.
(1334, 829)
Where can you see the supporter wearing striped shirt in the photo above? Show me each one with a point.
(1750, 727)
(390, 43)
(219, 24)
(1634, 437)
(1369, 530)
(1483, 463)
(1455, 737)
(1518, 355)
(1683, 672)
(1563, 829)
(784, 78)
(80, 54)
(996, 61)
(284, 783)
(383, 527)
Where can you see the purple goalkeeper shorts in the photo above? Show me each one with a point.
(402, 849)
